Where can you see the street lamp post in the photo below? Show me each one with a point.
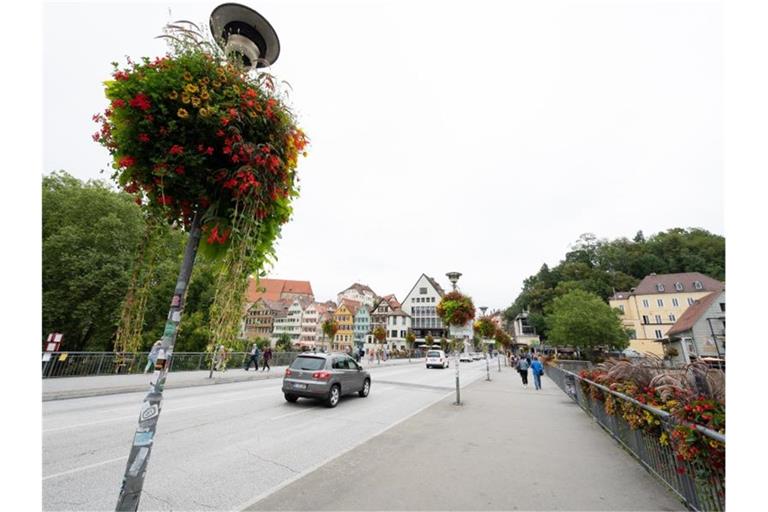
(453, 277)
(245, 35)
(487, 352)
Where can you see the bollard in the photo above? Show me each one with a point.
(458, 392)
(499, 360)
(487, 367)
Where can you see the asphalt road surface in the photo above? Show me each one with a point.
(221, 447)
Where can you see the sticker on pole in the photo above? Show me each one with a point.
(142, 439)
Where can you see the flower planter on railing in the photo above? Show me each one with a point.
(667, 443)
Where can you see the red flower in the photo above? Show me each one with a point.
(118, 103)
(120, 75)
(165, 200)
(179, 170)
(96, 136)
(143, 137)
(126, 161)
(204, 202)
(140, 101)
(176, 149)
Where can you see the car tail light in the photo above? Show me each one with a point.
(288, 372)
(321, 375)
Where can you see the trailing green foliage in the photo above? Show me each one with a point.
(583, 320)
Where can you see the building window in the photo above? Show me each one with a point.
(660, 303)
(675, 302)
(698, 285)
(422, 291)
(679, 286)
(621, 308)
(645, 320)
(691, 301)
(658, 319)
(658, 334)
(646, 304)
(722, 307)
(672, 318)
(660, 287)
(632, 334)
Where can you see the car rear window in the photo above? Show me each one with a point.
(433, 353)
(308, 363)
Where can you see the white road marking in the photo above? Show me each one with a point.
(82, 468)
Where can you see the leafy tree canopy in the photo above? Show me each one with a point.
(583, 320)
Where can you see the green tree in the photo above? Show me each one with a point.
(410, 339)
(582, 320)
(90, 235)
(330, 328)
(379, 334)
(283, 343)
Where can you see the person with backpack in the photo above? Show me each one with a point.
(538, 371)
(522, 369)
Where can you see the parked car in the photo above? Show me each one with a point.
(476, 356)
(326, 377)
(465, 357)
(437, 359)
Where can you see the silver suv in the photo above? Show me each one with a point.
(325, 376)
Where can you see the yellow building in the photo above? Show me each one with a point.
(652, 308)
(345, 319)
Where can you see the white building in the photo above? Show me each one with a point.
(358, 293)
(309, 323)
(291, 323)
(421, 306)
(398, 324)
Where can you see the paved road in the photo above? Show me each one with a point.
(506, 448)
(220, 447)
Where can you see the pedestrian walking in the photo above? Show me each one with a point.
(253, 359)
(266, 358)
(522, 369)
(222, 357)
(370, 356)
(538, 370)
(152, 358)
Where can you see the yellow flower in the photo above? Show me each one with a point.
(204, 112)
(216, 84)
(187, 76)
(204, 80)
(204, 95)
(173, 95)
(185, 98)
(190, 88)
(220, 71)
(182, 113)
(664, 439)
(195, 101)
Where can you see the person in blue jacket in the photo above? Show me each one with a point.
(538, 370)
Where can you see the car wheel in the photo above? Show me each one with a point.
(291, 398)
(366, 389)
(333, 396)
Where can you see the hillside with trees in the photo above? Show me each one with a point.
(601, 266)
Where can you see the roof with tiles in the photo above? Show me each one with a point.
(276, 289)
(692, 314)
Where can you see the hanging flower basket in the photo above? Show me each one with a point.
(189, 132)
(456, 309)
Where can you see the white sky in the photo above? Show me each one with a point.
(482, 137)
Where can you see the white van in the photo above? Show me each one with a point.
(437, 359)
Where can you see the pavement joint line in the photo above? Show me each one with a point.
(317, 466)
(83, 468)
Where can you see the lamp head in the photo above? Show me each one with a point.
(245, 35)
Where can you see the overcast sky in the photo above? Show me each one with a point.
(482, 137)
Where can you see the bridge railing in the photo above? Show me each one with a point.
(700, 488)
(81, 364)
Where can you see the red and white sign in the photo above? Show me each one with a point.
(53, 342)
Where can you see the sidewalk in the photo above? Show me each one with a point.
(97, 385)
(505, 448)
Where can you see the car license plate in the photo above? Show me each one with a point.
(299, 386)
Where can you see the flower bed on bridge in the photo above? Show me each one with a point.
(694, 397)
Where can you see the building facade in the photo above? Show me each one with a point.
(383, 306)
(398, 324)
(362, 326)
(345, 320)
(358, 293)
(649, 310)
(421, 306)
(700, 331)
(259, 318)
